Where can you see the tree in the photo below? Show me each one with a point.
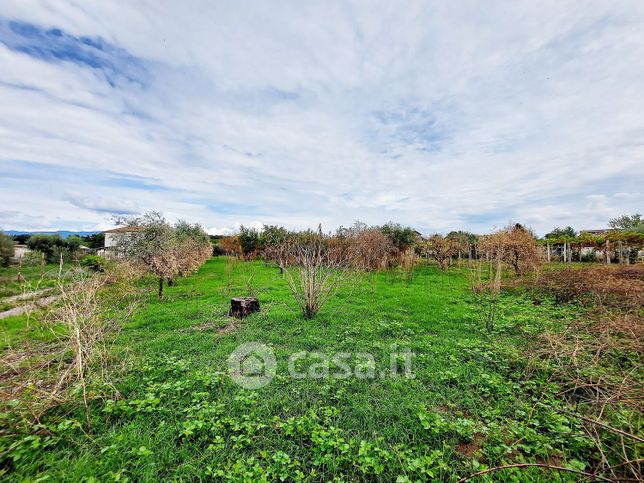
(441, 249)
(49, 245)
(515, 245)
(193, 247)
(367, 248)
(370, 249)
(569, 231)
(401, 237)
(230, 245)
(465, 242)
(6, 249)
(275, 241)
(628, 222)
(21, 239)
(166, 251)
(97, 240)
(249, 241)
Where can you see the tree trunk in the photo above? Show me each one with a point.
(548, 251)
(160, 287)
(243, 306)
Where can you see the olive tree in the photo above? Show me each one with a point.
(166, 251)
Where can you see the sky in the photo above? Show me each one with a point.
(439, 115)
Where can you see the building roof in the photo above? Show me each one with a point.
(125, 229)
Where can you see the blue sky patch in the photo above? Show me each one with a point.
(55, 45)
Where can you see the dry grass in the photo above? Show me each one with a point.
(89, 312)
(597, 360)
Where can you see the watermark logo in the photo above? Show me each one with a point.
(252, 365)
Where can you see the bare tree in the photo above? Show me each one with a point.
(315, 271)
(515, 246)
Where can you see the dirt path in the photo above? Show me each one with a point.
(27, 296)
(21, 309)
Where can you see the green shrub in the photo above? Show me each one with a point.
(6, 249)
(590, 257)
(94, 262)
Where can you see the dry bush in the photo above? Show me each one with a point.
(317, 267)
(604, 287)
(485, 282)
(408, 264)
(85, 319)
(231, 246)
(277, 252)
(516, 247)
(597, 367)
(370, 249)
(441, 249)
(596, 361)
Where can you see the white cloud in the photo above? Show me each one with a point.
(443, 116)
(103, 205)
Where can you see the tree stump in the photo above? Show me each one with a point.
(241, 307)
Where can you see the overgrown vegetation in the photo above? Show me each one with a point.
(167, 251)
(520, 371)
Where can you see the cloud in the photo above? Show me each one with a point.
(442, 116)
(103, 205)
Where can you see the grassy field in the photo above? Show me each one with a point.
(467, 407)
(37, 282)
(37, 277)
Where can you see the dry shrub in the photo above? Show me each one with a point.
(605, 287)
(316, 269)
(596, 361)
(485, 282)
(596, 365)
(515, 246)
(441, 249)
(370, 249)
(231, 246)
(89, 312)
(278, 253)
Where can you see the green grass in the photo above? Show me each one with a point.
(10, 285)
(16, 329)
(181, 417)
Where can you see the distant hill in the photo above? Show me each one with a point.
(62, 233)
